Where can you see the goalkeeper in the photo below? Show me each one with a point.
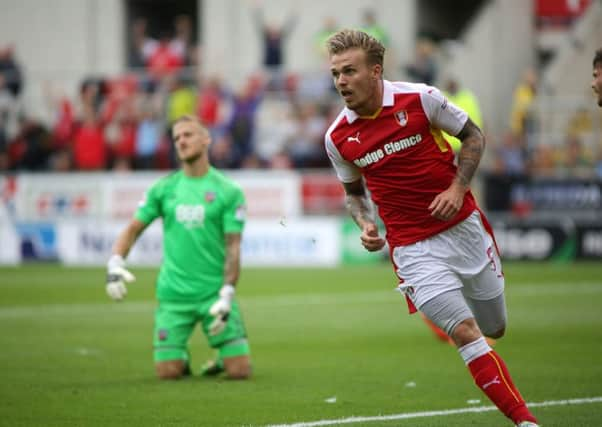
(203, 215)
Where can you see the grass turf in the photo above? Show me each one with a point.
(71, 357)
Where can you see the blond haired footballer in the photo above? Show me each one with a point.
(388, 140)
(203, 215)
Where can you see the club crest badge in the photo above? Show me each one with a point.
(402, 117)
(210, 196)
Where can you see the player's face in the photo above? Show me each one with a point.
(357, 82)
(597, 82)
(191, 141)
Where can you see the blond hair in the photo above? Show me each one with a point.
(189, 118)
(355, 39)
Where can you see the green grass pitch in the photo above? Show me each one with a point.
(326, 344)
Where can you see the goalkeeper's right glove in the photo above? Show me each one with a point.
(220, 309)
(117, 276)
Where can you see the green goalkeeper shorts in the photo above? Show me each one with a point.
(174, 323)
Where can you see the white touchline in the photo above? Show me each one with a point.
(441, 413)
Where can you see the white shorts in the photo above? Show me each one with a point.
(463, 257)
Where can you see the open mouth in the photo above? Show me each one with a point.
(346, 94)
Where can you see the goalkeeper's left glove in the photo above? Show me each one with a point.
(221, 309)
(117, 276)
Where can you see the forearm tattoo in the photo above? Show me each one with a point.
(358, 204)
(470, 154)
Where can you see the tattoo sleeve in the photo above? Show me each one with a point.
(232, 262)
(473, 145)
(360, 207)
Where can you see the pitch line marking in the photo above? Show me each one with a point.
(441, 413)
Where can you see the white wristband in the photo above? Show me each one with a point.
(116, 261)
(227, 291)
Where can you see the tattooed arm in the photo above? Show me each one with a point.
(473, 145)
(447, 204)
(362, 211)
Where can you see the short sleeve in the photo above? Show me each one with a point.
(346, 171)
(235, 212)
(149, 208)
(441, 113)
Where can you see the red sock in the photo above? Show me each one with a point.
(491, 375)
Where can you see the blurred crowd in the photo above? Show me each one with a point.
(123, 123)
(528, 149)
(271, 119)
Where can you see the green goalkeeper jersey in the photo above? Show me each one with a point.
(197, 212)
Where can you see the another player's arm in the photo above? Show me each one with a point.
(447, 204)
(362, 211)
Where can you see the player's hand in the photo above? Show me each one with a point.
(447, 204)
(220, 309)
(117, 277)
(370, 238)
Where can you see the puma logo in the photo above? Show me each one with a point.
(355, 138)
(496, 380)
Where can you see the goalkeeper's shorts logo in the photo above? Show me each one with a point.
(162, 334)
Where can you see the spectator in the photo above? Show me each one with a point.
(11, 78)
(60, 161)
(211, 103)
(275, 127)
(181, 100)
(148, 138)
(142, 46)
(62, 131)
(274, 38)
(120, 134)
(242, 121)
(305, 147)
(423, 69)
(253, 161)
(4, 161)
(542, 162)
(598, 163)
(163, 61)
(280, 161)
(182, 43)
(11, 85)
(91, 96)
(32, 145)
(222, 152)
(371, 26)
(89, 149)
(576, 161)
(329, 27)
(510, 156)
(62, 128)
(522, 116)
(581, 123)
(466, 100)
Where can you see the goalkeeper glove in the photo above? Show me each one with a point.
(117, 275)
(221, 309)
